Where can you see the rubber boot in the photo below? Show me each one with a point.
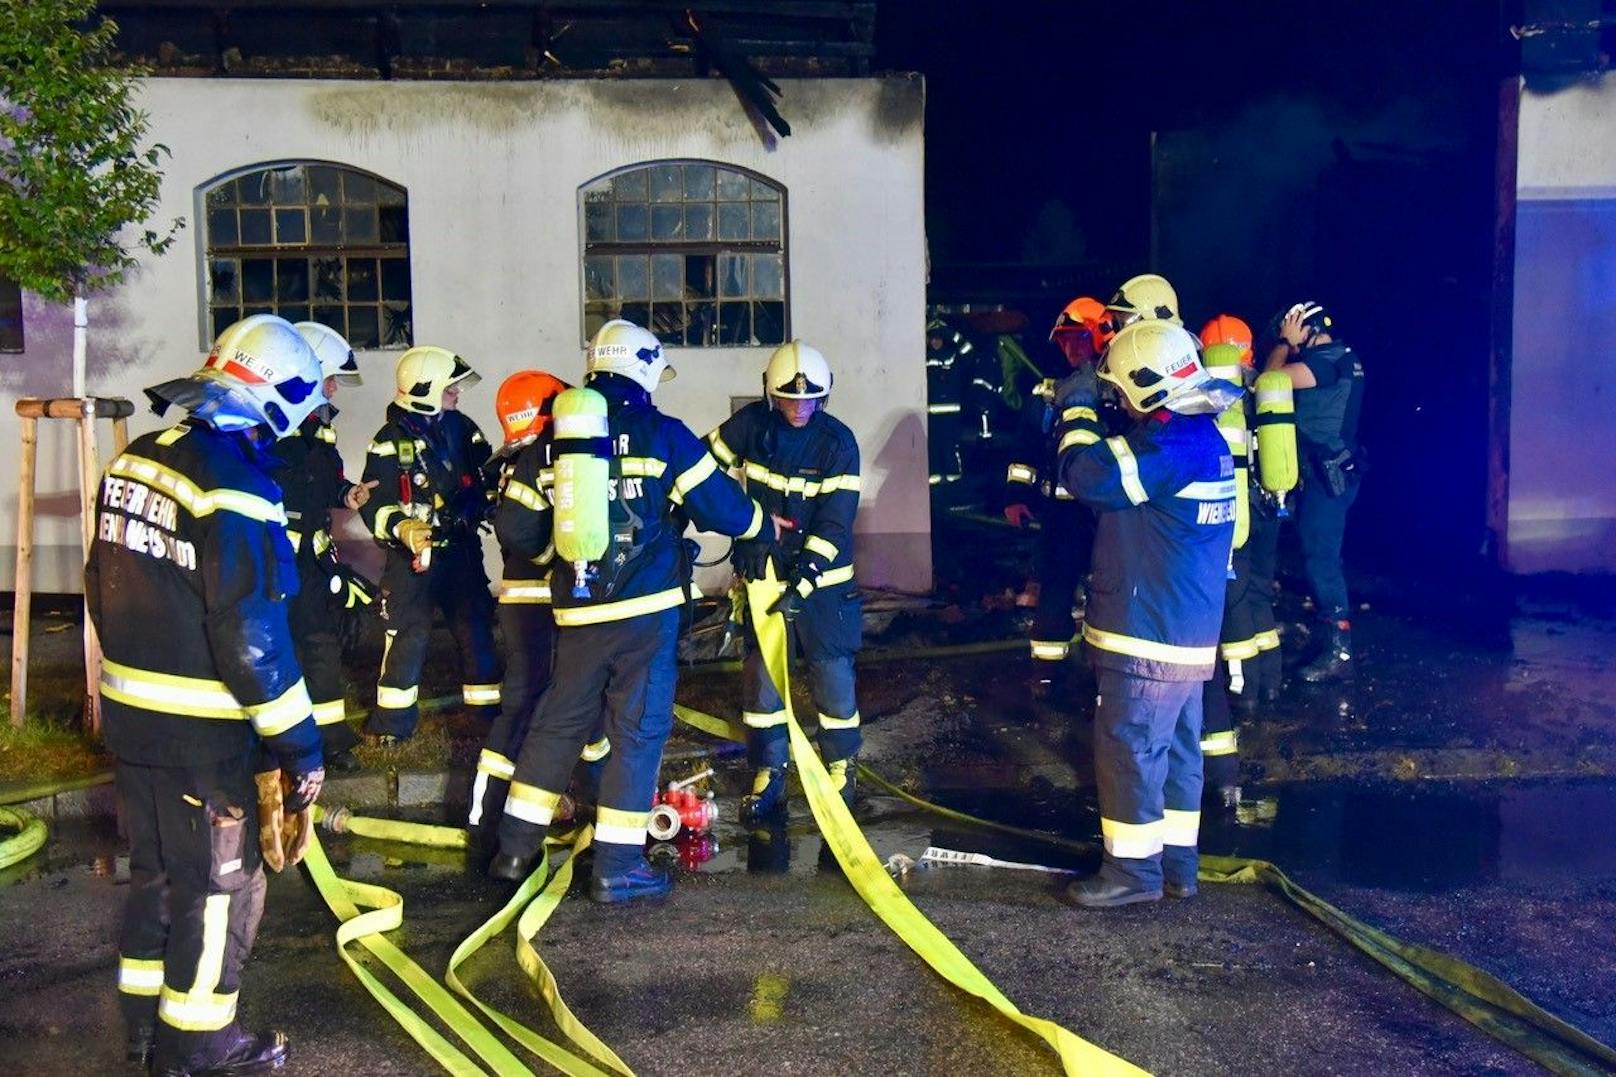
(250, 1053)
(639, 882)
(844, 778)
(767, 800)
(1334, 662)
(138, 1047)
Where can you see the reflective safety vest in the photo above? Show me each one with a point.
(428, 468)
(1165, 494)
(186, 583)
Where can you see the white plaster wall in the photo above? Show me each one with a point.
(1562, 498)
(492, 171)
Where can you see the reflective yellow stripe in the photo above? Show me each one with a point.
(594, 753)
(197, 501)
(191, 697)
(200, 1009)
(1079, 412)
(531, 804)
(492, 762)
(644, 466)
(1240, 649)
(1076, 438)
(382, 448)
(1117, 643)
(618, 827)
(283, 712)
(760, 720)
(1224, 743)
(479, 695)
(330, 712)
(384, 521)
(1021, 473)
(1050, 650)
(725, 454)
(1180, 827)
(1222, 490)
(396, 699)
(514, 592)
(322, 541)
(171, 435)
(821, 547)
(1267, 640)
(620, 610)
(943, 409)
(827, 722)
(756, 472)
(525, 495)
(1128, 467)
(832, 483)
(757, 522)
(1131, 841)
(692, 477)
(834, 576)
(326, 434)
(140, 976)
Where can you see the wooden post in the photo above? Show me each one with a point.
(120, 434)
(22, 610)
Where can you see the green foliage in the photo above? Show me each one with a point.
(76, 182)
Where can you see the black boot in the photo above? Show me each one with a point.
(767, 800)
(509, 867)
(639, 882)
(250, 1053)
(1100, 892)
(138, 1048)
(1334, 662)
(844, 778)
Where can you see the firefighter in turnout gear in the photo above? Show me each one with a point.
(432, 497)
(1164, 492)
(522, 524)
(620, 480)
(187, 582)
(1066, 526)
(802, 465)
(310, 476)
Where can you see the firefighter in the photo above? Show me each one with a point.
(1328, 380)
(524, 404)
(1066, 527)
(312, 484)
(617, 616)
(1164, 492)
(1147, 297)
(802, 466)
(431, 498)
(190, 538)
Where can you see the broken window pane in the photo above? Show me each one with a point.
(598, 278)
(766, 220)
(732, 220)
(667, 276)
(292, 280)
(598, 222)
(668, 321)
(633, 223)
(291, 226)
(667, 185)
(701, 275)
(732, 185)
(396, 325)
(359, 224)
(768, 276)
(698, 222)
(257, 280)
(769, 323)
(699, 182)
(328, 280)
(667, 223)
(255, 228)
(362, 282)
(223, 276)
(364, 328)
(633, 277)
(732, 274)
(396, 279)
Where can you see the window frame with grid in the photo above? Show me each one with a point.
(718, 275)
(260, 226)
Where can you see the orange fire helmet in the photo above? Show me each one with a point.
(523, 404)
(1227, 329)
(1083, 312)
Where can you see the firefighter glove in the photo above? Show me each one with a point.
(414, 535)
(751, 559)
(789, 604)
(302, 788)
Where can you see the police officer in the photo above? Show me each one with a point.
(312, 484)
(1164, 492)
(432, 495)
(1328, 380)
(1066, 527)
(522, 524)
(802, 465)
(617, 618)
(190, 538)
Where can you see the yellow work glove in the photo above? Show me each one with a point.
(414, 536)
(271, 819)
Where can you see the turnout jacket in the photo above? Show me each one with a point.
(309, 473)
(1165, 495)
(441, 459)
(522, 526)
(186, 584)
(809, 476)
(661, 475)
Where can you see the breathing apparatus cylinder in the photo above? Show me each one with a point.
(1223, 361)
(582, 490)
(1277, 467)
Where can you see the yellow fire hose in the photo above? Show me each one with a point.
(29, 837)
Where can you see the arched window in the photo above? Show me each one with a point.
(694, 250)
(308, 240)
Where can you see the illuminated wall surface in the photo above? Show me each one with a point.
(1562, 482)
(493, 173)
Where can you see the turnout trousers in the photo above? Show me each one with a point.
(1063, 550)
(826, 635)
(316, 623)
(1147, 759)
(455, 583)
(196, 894)
(619, 674)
